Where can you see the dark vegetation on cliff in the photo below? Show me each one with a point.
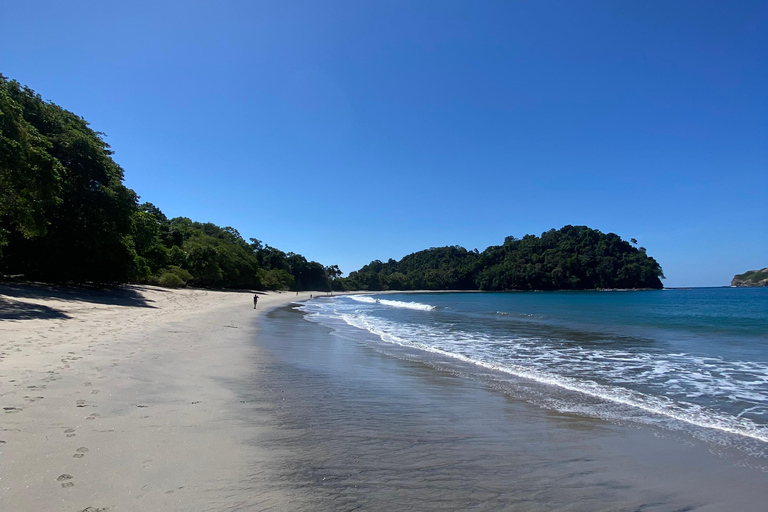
(751, 278)
(571, 258)
(65, 216)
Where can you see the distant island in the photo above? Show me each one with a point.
(66, 216)
(751, 278)
(571, 258)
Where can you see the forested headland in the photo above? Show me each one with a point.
(65, 216)
(571, 258)
(751, 278)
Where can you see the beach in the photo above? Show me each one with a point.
(126, 400)
(152, 399)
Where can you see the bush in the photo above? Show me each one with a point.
(170, 280)
(180, 273)
(275, 279)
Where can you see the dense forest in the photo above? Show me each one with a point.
(65, 216)
(571, 258)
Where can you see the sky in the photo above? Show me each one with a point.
(354, 131)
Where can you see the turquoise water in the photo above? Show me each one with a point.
(693, 359)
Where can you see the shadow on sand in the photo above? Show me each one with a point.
(19, 309)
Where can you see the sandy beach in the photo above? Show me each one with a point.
(120, 400)
(153, 399)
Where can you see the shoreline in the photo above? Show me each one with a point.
(124, 399)
(364, 425)
(146, 398)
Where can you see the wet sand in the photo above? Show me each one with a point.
(361, 429)
(151, 399)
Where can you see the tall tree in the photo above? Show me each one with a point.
(30, 178)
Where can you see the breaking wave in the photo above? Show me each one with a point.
(392, 303)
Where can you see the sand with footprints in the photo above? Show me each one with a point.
(127, 399)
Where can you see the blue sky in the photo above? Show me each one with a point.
(353, 131)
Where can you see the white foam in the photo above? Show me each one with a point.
(713, 393)
(392, 303)
(467, 347)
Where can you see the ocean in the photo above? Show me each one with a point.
(693, 362)
(551, 401)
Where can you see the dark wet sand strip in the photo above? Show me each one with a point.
(353, 429)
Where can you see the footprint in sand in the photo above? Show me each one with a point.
(70, 432)
(64, 479)
(80, 452)
(81, 403)
(12, 409)
(95, 392)
(92, 416)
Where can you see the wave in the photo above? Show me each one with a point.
(517, 315)
(689, 413)
(393, 303)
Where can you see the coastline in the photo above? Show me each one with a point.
(146, 398)
(364, 425)
(123, 400)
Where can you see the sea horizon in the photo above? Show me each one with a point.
(372, 422)
(694, 355)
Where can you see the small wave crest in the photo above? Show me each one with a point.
(517, 315)
(393, 303)
(415, 337)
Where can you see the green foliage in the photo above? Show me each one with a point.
(30, 178)
(571, 258)
(276, 279)
(65, 215)
(180, 273)
(177, 256)
(170, 280)
(752, 278)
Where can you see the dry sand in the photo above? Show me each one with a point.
(120, 400)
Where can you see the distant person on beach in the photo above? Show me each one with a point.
(255, 301)
(310, 295)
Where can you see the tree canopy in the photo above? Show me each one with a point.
(66, 216)
(571, 258)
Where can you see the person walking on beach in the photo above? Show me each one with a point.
(255, 301)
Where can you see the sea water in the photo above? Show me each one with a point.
(684, 360)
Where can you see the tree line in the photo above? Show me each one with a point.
(570, 258)
(65, 216)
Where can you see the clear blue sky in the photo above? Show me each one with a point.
(353, 131)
